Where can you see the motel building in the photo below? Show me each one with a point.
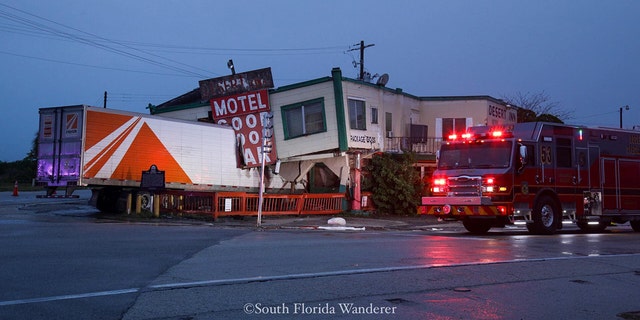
(323, 130)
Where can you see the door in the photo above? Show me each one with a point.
(610, 184)
(59, 145)
(581, 177)
(594, 168)
(546, 176)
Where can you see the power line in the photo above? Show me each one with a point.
(25, 24)
(92, 42)
(177, 48)
(312, 50)
(134, 97)
(185, 49)
(596, 115)
(91, 66)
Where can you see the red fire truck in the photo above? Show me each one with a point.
(538, 174)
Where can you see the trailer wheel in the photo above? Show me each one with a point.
(476, 227)
(545, 216)
(107, 199)
(635, 225)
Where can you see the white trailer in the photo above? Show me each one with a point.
(107, 150)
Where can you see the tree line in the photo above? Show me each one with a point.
(22, 171)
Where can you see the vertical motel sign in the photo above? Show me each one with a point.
(241, 100)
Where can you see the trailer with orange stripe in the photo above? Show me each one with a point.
(107, 150)
(542, 175)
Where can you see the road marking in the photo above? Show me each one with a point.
(293, 276)
(69, 297)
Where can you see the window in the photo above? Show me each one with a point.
(475, 155)
(374, 115)
(303, 118)
(563, 153)
(388, 123)
(419, 133)
(531, 157)
(453, 125)
(357, 117)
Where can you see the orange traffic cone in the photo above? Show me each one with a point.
(15, 189)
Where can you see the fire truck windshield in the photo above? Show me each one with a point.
(488, 154)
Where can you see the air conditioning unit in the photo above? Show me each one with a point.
(389, 134)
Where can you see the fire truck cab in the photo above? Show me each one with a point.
(538, 174)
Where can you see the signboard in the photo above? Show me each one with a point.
(152, 179)
(47, 126)
(246, 113)
(501, 115)
(228, 204)
(71, 124)
(242, 101)
(240, 104)
(237, 83)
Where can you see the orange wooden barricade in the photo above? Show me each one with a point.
(246, 204)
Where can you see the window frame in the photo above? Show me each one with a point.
(388, 124)
(458, 125)
(357, 110)
(564, 153)
(300, 105)
(419, 133)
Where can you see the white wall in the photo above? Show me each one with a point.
(312, 143)
(372, 136)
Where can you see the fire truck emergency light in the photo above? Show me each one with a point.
(439, 184)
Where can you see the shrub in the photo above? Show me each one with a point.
(394, 183)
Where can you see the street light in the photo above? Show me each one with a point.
(626, 108)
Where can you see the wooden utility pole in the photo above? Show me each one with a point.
(362, 47)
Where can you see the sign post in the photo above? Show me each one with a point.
(267, 134)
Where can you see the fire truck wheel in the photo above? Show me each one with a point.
(476, 227)
(545, 216)
(584, 226)
(635, 225)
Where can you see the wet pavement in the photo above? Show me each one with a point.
(29, 201)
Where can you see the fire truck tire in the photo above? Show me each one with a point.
(584, 226)
(476, 227)
(546, 215)
(635, 225)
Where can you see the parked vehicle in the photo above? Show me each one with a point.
(538, 174)
(107, 150)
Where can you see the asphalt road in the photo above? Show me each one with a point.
(59, 260)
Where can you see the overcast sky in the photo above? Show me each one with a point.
(581, 54)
